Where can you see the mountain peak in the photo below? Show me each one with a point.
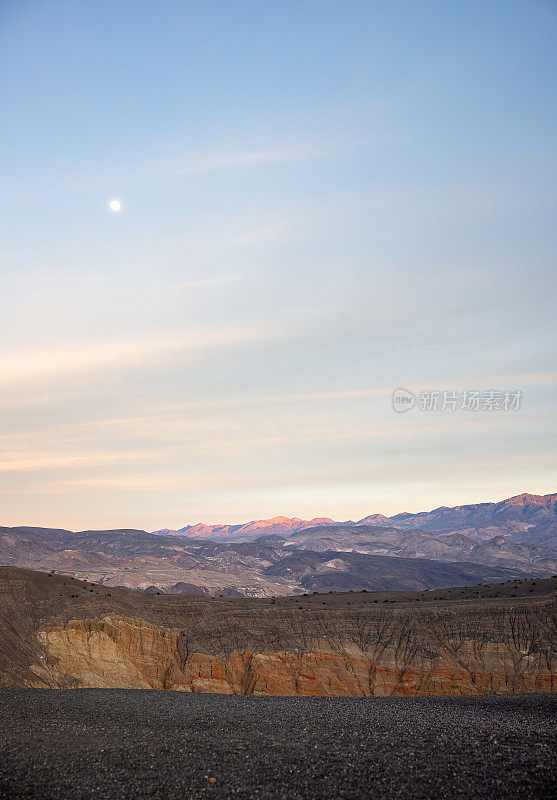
(527, 508)
(530, 499)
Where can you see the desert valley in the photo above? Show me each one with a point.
(466, 545)
(452, 601)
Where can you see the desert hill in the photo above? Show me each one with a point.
(378, 559)
(284, 556)
(60, 632)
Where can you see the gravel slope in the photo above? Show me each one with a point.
(129, 743)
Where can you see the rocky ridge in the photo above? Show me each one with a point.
(59, 632)
(284, 556)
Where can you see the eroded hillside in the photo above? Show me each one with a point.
(60, 632)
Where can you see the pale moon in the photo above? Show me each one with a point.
(115, 205)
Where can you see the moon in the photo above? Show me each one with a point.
(115, 206)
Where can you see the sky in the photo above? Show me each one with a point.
(321, 202)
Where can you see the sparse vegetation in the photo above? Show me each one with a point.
(515, 639)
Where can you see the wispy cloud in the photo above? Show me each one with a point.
(180, 442)
(128, 352)
(257, 154)
(296, 151)
(44, 461)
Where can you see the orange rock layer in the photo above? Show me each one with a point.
(123, 652)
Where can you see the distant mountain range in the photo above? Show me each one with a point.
(279, 556)
(481, 521)
(248, 530)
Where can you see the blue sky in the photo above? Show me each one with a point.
(321, 202)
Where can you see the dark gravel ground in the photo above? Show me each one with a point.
(95, 743)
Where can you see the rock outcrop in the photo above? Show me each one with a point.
(119, 652)
(344, 645)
